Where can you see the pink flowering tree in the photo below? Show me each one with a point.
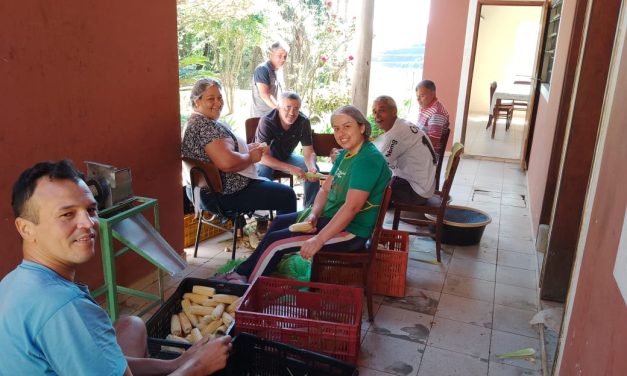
(319, 60)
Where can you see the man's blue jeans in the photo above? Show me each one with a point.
(311, 188)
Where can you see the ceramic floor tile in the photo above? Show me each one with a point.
(419, 243)
(509, 187)
(470, 311)
(512, 213)
(402, 324)
(469, 288)
(461, 192)
(517, 260)
(425, 279)
(363, 371)
(506, 342)
(428, 261)
(514, 230)
(489, 241)
(440, 362)
(516, 276)
(516, 297)
(476, 252)
(416, 299)
(392, 355)
(460, 337)
(517, 245)
(514, 320)
(499, 369)
(472, 269)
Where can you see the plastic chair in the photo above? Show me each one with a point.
(352, 268)
(251, 125)
(443, 141)
(503, 110)
(436, 205)
(206, 176)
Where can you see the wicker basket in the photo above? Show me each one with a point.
(190, 225)
(390, 269)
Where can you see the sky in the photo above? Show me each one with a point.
(398, 23)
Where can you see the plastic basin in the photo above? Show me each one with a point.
(463, 225)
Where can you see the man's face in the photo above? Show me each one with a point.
(278, 57)
(288, 111)
(63, 233)
(424, 96)
(384, 114)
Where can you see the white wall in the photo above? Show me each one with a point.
(505, 49)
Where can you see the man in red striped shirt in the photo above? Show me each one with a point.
(433, 116)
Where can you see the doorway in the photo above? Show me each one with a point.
(506, 44)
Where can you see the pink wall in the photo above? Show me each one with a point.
(91, 81)
(444, 51)
(596, 341)
(546, 119)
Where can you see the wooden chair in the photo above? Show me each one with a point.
(251, 125)
(502, 110)
(352, 268)
(443, 141)
(518, 105)
(323, 143)
(206, 175)
(436, 205)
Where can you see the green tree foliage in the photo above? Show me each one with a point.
(319, 39)
(223, 39)
(215, 38)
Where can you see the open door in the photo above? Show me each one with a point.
(530, 117)
(504, 31)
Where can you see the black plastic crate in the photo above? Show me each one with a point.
(253, 355)
(158, 326)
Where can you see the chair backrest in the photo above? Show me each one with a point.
(251, 125)
(443, 141)
(378, 227)
(323, 143)
(451, 168)
(202, 174)
(492, 90)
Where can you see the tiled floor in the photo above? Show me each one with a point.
(459, 315)
(505, 144)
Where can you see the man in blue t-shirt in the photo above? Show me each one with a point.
(268, 81)
(49, 324)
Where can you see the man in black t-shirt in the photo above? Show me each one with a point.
(282, 129)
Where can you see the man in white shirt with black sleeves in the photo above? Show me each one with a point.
(409, 153)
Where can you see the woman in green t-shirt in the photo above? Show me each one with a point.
(344, 212)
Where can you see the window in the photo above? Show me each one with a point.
(550, 41)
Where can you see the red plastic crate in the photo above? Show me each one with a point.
(319, 317)
(390, 269)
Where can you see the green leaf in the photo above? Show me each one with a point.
(193, 60)
(522, 353)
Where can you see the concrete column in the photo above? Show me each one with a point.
(361, 76)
